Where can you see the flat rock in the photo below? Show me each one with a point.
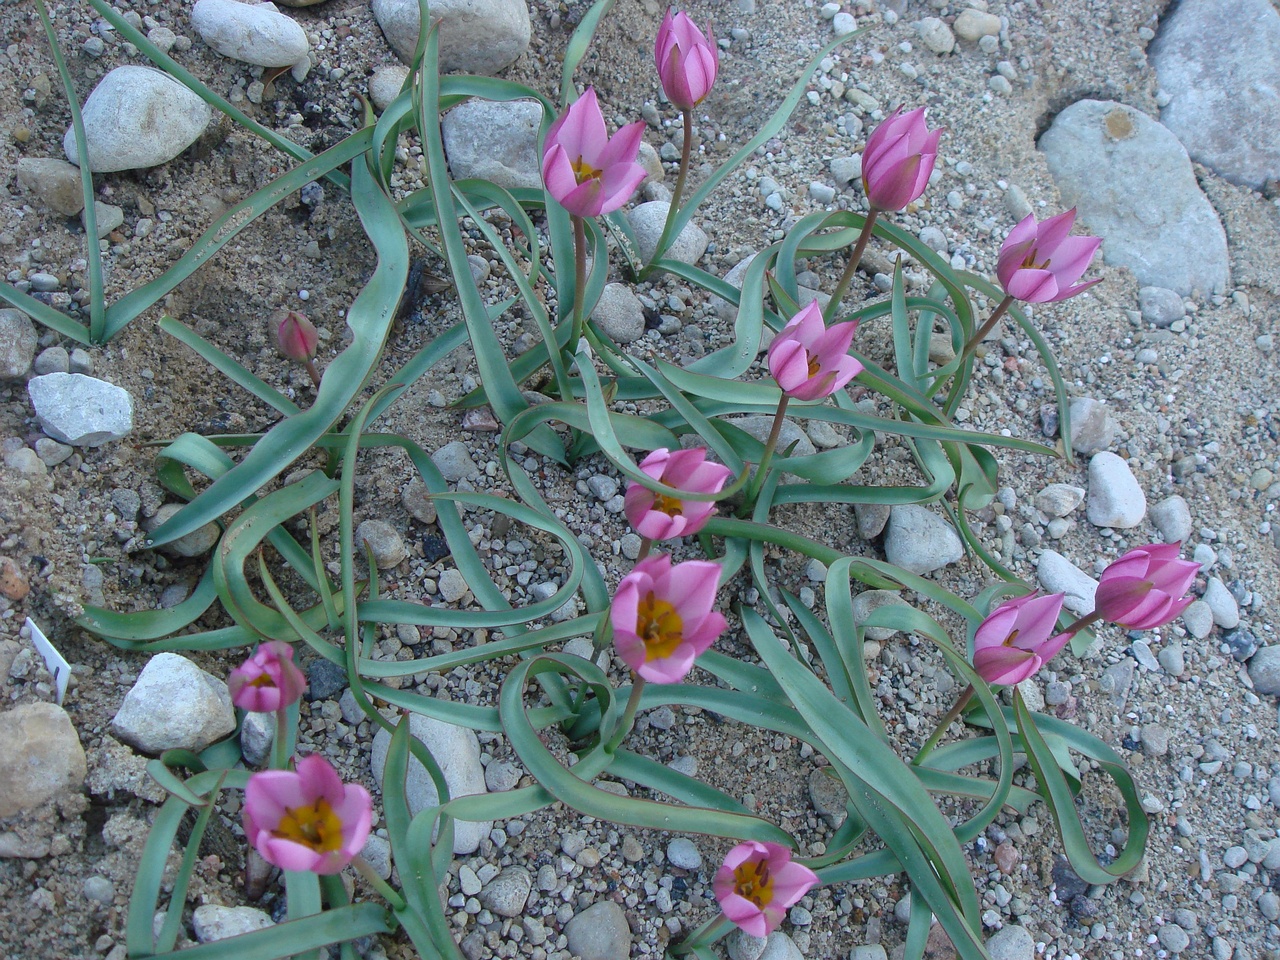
(40, 757)
(212, 921)
(137, 117)
(619, 314)
(1223, 606)
(920, 541)
(1092, 428)
(174, 705)
(457, 751)
(494, 141)
(55, 182)
(1172, 518)
(476, 36)
(1160, 307)
(254, 33)
(600, 932)
(1115, 497)
(18, 342)
(1220, 65)
(647, 221)
(1057, 574)
(1264, 670)
(1012, 942)
(1198, 619)
(80, 410)
(829, 797)
(1133, 184)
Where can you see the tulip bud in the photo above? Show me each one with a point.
(687, 60)
(296, 336)
(898, 160)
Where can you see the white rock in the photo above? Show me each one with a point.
(254, 33)
(1092, 428)
(920, 541)
(212, 921)
(457, 751)
(973, 24)
(1115, 497)
(683, 853)
(18, 342)
(454, 462)
(1172, 517)
(779, 946)
(137, 117)
(1160, 307)
(174, 704)
(257, 733)
(476, 36)
(1198, 619)
(741, 945)
(1012, 942)
(1223, 606)
(647, 221)
(1057, 574)
(385, 85)
(41, 760)
(1059, 499)
(619, 314)
(383, 541)
(106, 217)
(936, 35)
(495, 141)
(80, 410)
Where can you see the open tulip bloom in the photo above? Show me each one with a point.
(1146, 587)
(810, 360)
(307, 819)
(687, 60)
(659, 517)
(662, 616)
(588, 172)
(1040, 263)
(898, 160)
(757, 883)
(268, 681)
(1018, 638)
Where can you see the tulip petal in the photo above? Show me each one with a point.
(1005, 665)
(580, 129)
(1050, 233)
(1072, 258)
(1032, 286)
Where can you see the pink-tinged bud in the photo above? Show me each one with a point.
(268, 681)
(1039, 262)
(687, 60)
(306, 819)
(1018, 638)
(1146, 587)
(662, 616)
(296, 336)
(810, 360)
(660, 517)
(898, 159)
(758, 883)
(586, 171)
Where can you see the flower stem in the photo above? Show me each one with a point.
(388, 893)
(981, 335)
(851, 267)
(579, 283)
(1083, 622)
(279, 746)
(313, 372)
(681, 178)
(646, 544)
(628, 716)
(940, 729)
(753, 490)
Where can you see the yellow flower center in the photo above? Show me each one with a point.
(754, 882)
(1029, 262)
(659, 626)
(1008, 641)
(814, 364)
(316, 826)
(583, 171)
(671, 506)
(262, 680)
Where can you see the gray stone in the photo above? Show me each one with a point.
(868, 951)
(847, 171)
(25, 460)
(195, 544)
(869, 601)
(383, 541)
(457, 751)
(385, 85)
(257, 733)
(1172, 518)
(377, 851)
(55, 182)
(17, 344)
(1133, 184)
(1155, 740)
(920, 541)
(600, 932)
(1092, 429)
(683, 853)
(1059, 499)
(476, 36)
(137, 117)
(174, 704)
(80, 410)
(1198, 619)
(212, 921)
(779, 946)
(53, 359)
(1115, 497)
(416, 499)
(501, 776)
(725, 310)
(453, 585)
(251, 33)
(647, 221)
(106, 216)
(1160, 307)
(973, 25)
(619, 314)
(1264, 670)
(507, 893)
(98, 889)
(1218, 64)
(1012, 942)
(454, 462)
(1172, 659)
(760, 426)
(741, 945)
(936, 35)
(1173, 938)
(51, 452)
(872, 518)
(81, 361)
(41, 759)
(1057, 574)
(1223, 606)
(829, 797)
(496, 141)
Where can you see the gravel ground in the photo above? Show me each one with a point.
(1193, 405)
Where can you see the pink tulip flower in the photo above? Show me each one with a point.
(758, 883)
(662, 617)
(296, 336)
(1039, 263)
(589, 173)
(1146, 587)
(898, 160)
(660, 517)
(810, 360)
(306, 819)
(687, 60)
(268, 681)
(1018, 638)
